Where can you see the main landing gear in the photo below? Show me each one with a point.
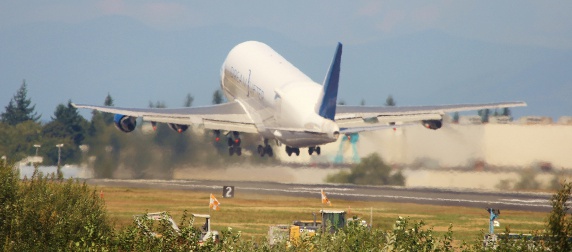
(290, 150)
(234, 144)
(316, 149)
(265, 150)
(294, 150)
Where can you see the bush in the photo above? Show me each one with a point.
(354, 237)
(559, 222)
(370, 171)
(45, 213)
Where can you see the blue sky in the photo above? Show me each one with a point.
(141, 51)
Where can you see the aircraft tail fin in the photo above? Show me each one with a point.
(329, 97)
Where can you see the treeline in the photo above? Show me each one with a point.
(45, 213)
(110, 152)
(20, 130)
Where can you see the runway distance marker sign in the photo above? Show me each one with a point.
(228, 191)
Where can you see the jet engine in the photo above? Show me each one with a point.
(125, 123)
(432, 124)
(178, 127)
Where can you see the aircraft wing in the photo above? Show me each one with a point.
(229, 116)
(348, 115)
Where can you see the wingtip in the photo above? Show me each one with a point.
(521, 104)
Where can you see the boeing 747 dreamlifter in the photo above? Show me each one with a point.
(270, 97)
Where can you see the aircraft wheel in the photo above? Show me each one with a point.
(230, 142)
(297, 151)
(261, 150)
(269, 150)
(318, 149)
(230, 151)
(289, 151)
(310, 150)
(238, 151)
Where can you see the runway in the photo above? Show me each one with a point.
(537, 202)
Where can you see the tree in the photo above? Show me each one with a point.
(158, 104)
(218, 97)
(16, 142)
(484, 114)
(67, 127)
(19, 108)
(189, 101)
(362, 103)
(559, 222)
(390, 101)
(108, 117)
(74, 124)
(506, 112)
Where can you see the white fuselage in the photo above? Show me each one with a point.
(281, 100)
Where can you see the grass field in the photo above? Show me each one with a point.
(252, 214)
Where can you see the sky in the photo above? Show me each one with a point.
(420, 52)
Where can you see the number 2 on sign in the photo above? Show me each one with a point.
(228, 191)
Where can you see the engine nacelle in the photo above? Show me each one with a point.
(125, 123)
(432, 124)
(178, 127)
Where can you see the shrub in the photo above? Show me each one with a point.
(45, 213)
(370, 171)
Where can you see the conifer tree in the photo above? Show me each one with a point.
(19, 108)
(74, 124)
(218, 97)
(108, 117)
(389, 101)
(189, 101)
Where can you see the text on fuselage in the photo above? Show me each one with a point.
(252, 88)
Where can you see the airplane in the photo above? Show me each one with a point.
(269, 96)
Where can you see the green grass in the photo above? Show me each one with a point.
(252, 214)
